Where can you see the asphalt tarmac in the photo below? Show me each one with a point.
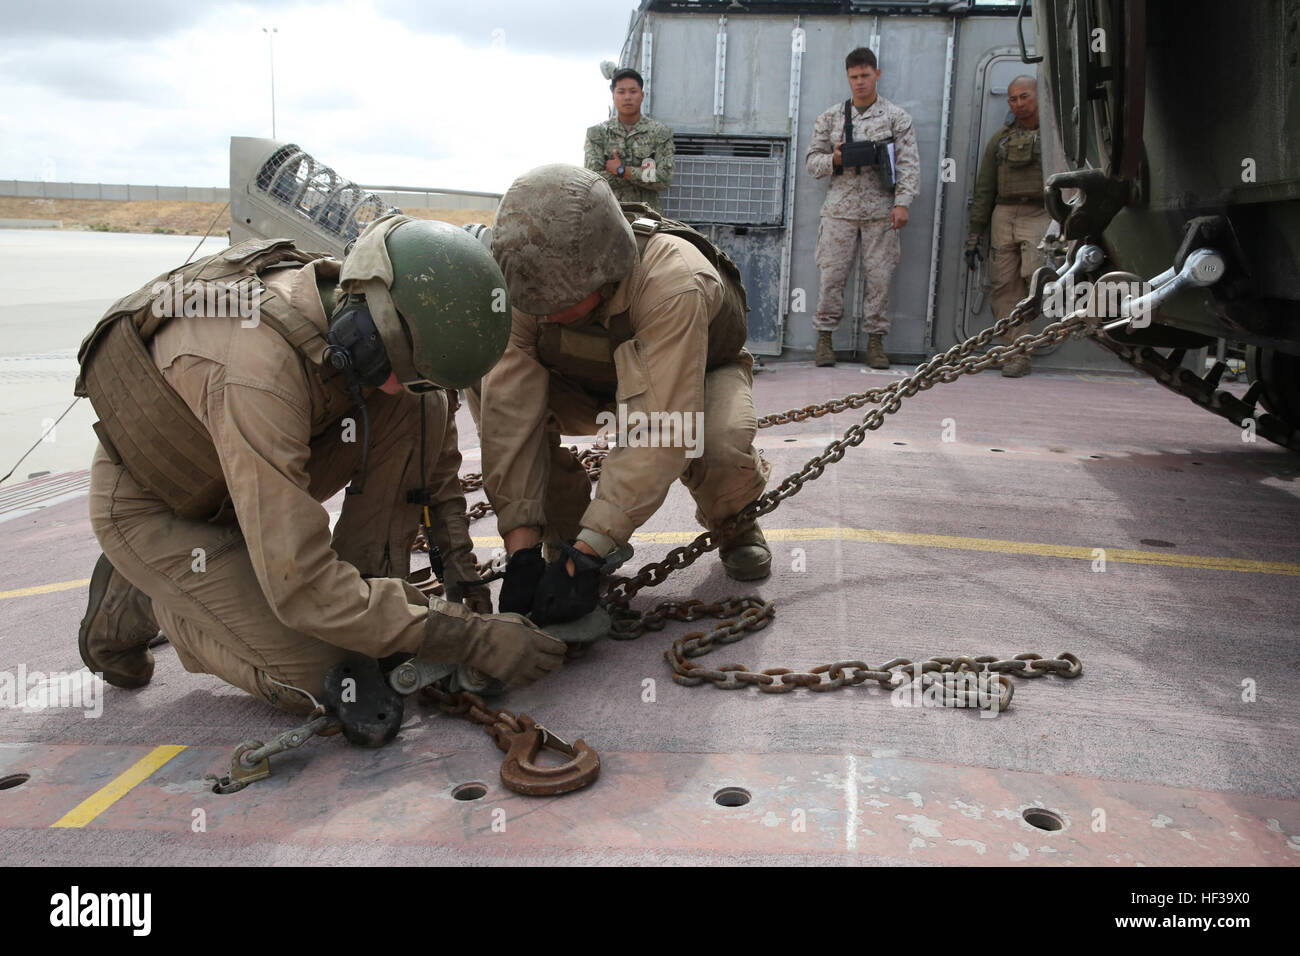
(54, 287)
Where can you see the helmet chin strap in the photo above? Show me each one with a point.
(356, 349)
(358, 484)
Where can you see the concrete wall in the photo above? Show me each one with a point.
(414, 199)
(433, 199)
(39, 190)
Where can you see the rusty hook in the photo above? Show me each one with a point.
(520, 774)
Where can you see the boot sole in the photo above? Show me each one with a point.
(98, 585)
(749, 574)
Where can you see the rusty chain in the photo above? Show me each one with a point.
(470, 706)
(744, 615)
(519, 735)
(945, 367)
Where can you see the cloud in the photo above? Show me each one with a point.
(380, 101)
(137, 20)
(593, 28)
(81, 70)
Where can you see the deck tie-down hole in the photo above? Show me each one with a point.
(792, 439)
(9, 781)
(997, 449)
(1043, 819)
(731, 797)
(470, 791)
(898, 443)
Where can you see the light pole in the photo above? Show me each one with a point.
(270, 35)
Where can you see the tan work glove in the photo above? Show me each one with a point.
(509, 647)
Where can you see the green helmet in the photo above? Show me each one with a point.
(437, 298)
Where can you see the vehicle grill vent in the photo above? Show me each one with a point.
(727, 180)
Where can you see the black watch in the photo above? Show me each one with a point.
(621, 171)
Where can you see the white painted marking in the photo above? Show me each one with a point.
(851, 803)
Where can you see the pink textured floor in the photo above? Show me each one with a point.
(1156, 735)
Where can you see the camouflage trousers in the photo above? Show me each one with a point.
(838, 240)
(1017, 230)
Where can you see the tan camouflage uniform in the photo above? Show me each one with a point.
(646, 150)
(532, 481)
(1011, 196)
(857, 210)
(279, 598)
(672, 297)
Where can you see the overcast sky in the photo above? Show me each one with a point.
(463, 94)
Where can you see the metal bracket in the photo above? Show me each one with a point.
(251, 760)
(1020, 35)
(1101, 198)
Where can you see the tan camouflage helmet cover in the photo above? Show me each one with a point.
(559, 236)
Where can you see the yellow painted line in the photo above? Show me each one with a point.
(45, 588)
(993, 545)
(110, 793)
(1109, 380)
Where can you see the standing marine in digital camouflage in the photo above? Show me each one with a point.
(868, 147)
(620, 315)
(1009, 193)
(220, 436)
(632, 152)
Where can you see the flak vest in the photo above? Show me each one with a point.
(144, 425)
(1020, 165)
(585, 355)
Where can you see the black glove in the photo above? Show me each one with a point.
(973, 257)
(524, 572)
(564, 597)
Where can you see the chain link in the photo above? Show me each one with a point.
(755, 614)
(744, 615)
(945, 367)
(472, 707)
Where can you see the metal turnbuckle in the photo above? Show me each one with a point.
(251, 760)
(520, 774)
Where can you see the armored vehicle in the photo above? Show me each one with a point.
(1181, 119)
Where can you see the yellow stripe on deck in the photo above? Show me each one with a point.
(993, 545)
(46, 588)
(110, 793)
(952, 542)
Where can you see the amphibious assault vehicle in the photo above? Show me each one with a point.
(1180, 118)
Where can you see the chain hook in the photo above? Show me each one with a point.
(520, 774)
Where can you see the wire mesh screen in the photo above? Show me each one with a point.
(311, 189)
(743, 189)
